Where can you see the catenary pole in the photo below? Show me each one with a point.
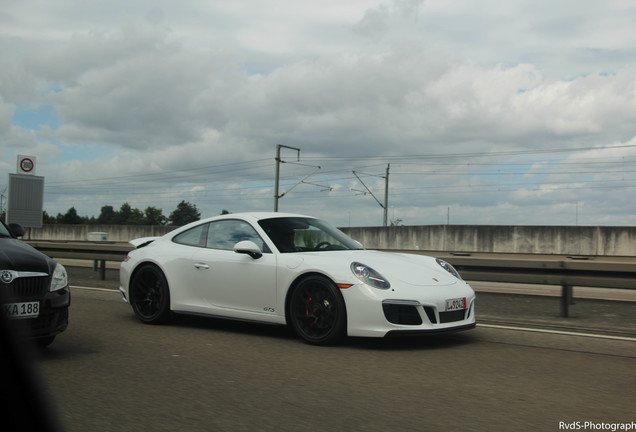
(278, 161)
(386, 194)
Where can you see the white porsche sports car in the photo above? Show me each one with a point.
(296, 270)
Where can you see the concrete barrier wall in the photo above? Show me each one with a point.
(116, 233)
(567, 240)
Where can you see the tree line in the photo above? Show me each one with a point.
(126, 215)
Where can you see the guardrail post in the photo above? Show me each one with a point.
(102, 270)
(566, 299)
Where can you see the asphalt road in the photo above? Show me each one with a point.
(108, 372)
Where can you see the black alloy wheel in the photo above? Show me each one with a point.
(149, 295)
(317, 311)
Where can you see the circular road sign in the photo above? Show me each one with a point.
(27, 165)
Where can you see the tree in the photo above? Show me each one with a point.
(136, 217)
(71, 217)
(107, 216)
(46, 219)
(124, 213)
(396, 222)
(154, 216)
(184, 214)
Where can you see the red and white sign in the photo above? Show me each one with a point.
(26, 165)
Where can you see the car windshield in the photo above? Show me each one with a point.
(300, 234)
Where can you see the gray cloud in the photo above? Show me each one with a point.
(464, 100)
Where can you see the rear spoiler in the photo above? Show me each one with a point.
(143, 241)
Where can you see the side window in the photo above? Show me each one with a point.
(193, 237)
(226, 233)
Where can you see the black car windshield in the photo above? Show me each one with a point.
(300, 234)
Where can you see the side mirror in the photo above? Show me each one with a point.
(248, 248)
(16, 230)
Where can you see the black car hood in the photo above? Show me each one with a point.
(19, 256)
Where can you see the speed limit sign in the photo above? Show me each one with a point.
(26, 165)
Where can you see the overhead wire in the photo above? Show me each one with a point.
(256, 183)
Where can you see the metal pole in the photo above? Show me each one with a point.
(566, 300)
(277, 177)
(278, 161)
(386, 194)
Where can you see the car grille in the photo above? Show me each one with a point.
(452, 316)
(407, 314)
(25, 288)
(401, 314)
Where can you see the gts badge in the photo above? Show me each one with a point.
(269, 309)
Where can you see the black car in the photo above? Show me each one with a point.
(34, 291)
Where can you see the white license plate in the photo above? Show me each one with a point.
(21, 310)
(456, 304)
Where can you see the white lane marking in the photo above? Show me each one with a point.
(559, 332)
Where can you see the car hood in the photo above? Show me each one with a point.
(19, 256)
(411, 269)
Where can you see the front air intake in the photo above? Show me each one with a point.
(401, 314)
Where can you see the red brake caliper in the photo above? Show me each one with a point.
(310, 322)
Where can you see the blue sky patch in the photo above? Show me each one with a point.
(33, 118)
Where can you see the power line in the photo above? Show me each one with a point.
(468, 154)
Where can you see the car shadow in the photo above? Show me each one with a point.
(419, 342)
(231, 326)
(401, 343)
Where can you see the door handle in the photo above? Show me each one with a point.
(201, 266)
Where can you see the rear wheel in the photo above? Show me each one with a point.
(150, 295)
(317, 311)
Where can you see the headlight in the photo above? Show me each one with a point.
(449, 268)
(369, 276)
(59, 279)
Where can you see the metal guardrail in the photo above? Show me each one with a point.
(565, 271)
(560, 270)
(98, 252)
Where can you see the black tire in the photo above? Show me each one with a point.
(150, 295)
(317, 311)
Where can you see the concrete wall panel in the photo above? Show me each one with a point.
(562, 240)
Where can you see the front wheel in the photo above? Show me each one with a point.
(317, 311)
(149, 295)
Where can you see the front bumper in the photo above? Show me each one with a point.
(429, 332)
(407, 310)
(52, 318)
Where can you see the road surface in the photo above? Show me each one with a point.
(109, 372)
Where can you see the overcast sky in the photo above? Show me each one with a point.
(484, 112)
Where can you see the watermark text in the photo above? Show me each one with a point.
(601, 426)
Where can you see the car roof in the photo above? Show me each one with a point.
(256, 216)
